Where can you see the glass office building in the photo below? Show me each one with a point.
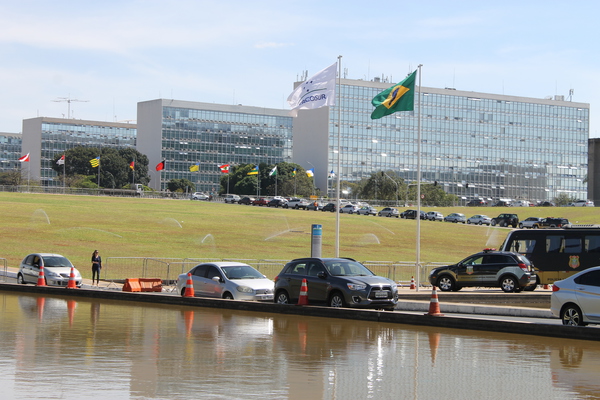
(476, 145)
(185, 134)
(46, 138)
(10, 151)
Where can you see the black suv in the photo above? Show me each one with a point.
(552, 222)
(329, 207)
(335, 282)
(506, 220)
(512, 272)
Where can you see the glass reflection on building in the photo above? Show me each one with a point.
(473, 144)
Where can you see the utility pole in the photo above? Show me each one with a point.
(68, 100)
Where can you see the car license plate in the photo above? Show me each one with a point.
(265, 297)
(380, 294)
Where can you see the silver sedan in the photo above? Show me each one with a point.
(479, 219)
(228, 280)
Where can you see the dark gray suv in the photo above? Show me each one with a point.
(335, 282)
(512, 272)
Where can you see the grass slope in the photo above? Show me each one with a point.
(132, 227)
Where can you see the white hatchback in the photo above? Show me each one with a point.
(57, 269)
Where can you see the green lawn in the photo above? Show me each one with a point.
(136, 227)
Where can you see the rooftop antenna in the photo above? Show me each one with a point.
(571, 92)
(68, 100)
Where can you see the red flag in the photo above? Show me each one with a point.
(25, 158)
(61, 161)
(160, 166)
(132, 165)
(224, 168)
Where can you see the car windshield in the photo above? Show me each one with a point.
(347, 268)
(56, 262)
(241, 272)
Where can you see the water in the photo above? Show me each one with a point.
(57, 348)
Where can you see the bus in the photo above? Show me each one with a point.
(557, 253)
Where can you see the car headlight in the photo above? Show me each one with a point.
(50, 273)
(245, 289)
(394, 287)
(357, 286)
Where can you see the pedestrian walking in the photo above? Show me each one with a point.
(96, 266)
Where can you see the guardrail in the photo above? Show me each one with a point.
(168, 269)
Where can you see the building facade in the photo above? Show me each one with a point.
(184, 134)
(45, 138)
(10, 151)
(476, 145)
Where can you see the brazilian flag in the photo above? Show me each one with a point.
(400, 97)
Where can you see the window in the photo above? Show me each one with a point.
(200, 271)
(591, 278)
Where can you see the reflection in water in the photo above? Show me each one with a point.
(53, 347)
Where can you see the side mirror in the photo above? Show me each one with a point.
(322, 275)
(216, 279)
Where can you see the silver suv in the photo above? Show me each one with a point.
(509, 271)
(231, 198)
(296, 203)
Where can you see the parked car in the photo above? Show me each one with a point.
(509, 271)
(434, 216)
(456, 217)
(388, 212)
(506, 220)
(277, 203)
(367, 210)
(520, 203)
(583, 203)
(231, 198)
(297, 203)
(246, 200)
(545, 204)
(349, 209)
(531, 222)
(329, 207)
(314, 206)
(551, 222)
(477, 203)
(199, 196)
(479, 219)
(576, 299)
(260, 202)
(227, 280)
(335, 282)
(412, 214)
(57, 269)
(501, 203)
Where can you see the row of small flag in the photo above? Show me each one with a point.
(95, 162)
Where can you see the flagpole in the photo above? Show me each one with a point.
(339, 170)
(418, 250)
(64, 174)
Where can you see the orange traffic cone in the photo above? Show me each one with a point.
(189, 287)
(434, 305)
(303, 299)
(412, 283)
(72, 283)
(546, 286)
(41, 278)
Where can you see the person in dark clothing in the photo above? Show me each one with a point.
(96, 266)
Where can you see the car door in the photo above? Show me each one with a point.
(316, 286)
(28, 269)
(587, 290)
(490, 266)
(199, 279)
(34, 268)
(294, 276)
(214, 288)
(468, 271)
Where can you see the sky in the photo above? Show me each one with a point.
(99, 59)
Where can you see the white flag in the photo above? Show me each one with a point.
(61, 161)
(273, 171)
(318, 91)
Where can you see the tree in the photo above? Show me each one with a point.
(562, 199)
(181, 185)
(11, 178)
(115, 171)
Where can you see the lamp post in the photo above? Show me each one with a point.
(313, 167)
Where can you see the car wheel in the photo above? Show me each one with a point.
(183, 291)
(282, 297)
(469, 222)
(227, 296)
(504, 224)
(493, 223)
(480, 223)
(571, 315)
(336, 300)
(20, 279)
(509, 284)
(446, 283)
(520, 226)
